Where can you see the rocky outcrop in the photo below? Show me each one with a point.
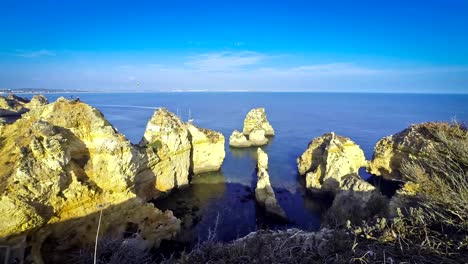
(59, 165)
(264, 193)
(256, 119)
(331, 163)
(15, 106)
(168, 148)
(417, 142)
(256, 127)
(257, 137)
(37, 101)
(239, 140)
(207, 149)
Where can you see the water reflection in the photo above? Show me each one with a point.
(210, 200)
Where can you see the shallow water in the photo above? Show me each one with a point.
(225, 197)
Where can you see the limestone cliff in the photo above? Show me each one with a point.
(168, 148)
(257, 119)
(331, 163)
(58, 164)
(207, 149)
(14, 106)
(417, 142)
(264, 193)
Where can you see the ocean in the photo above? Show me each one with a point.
(223, 202)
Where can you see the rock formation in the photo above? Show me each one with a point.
(37, 101)
(15, 106)
(331, 163)
(168, 147)
(58, 165)
(256, 127)
(416, 142)
(239, 140)
(207, 149)
(264, 193)
(257, 119)
(257, 137)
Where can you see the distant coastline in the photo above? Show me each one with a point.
(73, 91)
(38, 91)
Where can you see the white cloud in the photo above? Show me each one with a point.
(244, 70)
(224, 61)
(34, 53)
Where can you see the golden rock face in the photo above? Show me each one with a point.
(264, 193)
(410, 144)
(58, 164)
(331, 162)
(257, 119)
(207, 149)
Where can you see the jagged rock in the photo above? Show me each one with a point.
(168, 147)
(257, 119)
(58, 164)
(12, 105)
(239, 140)
(355, 206)
(331, 163)
(257, 138)
(416, 142)
(264, 193)
(37, 101)
(207, 149)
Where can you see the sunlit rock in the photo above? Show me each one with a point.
(239, 140)
(413, 143)
(207, 149)
(59, 164)
(168, 148)
(257, 138)
(37, 101)
(332, 163)
(257, 119)
(264, 193)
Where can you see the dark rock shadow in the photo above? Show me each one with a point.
(71, 239)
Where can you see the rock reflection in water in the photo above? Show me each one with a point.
(213, 201)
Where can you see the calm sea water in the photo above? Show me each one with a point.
(226, 197)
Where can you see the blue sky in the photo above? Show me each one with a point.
(330, 46)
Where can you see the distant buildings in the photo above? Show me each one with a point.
(37, 90)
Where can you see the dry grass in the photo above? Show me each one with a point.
(442, 178)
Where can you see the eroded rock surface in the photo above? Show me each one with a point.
(60, 163)
(257, 119)
(168, 147)
(257, 138)
(239, 140)
(15, 106)
(416, 142)
(256, 128)
(207, 149)
(264, 193)
(331, 163)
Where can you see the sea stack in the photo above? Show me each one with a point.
(256, 128)
(207, 149)
(168, 148)
(239, 140)
(257, 119)
(331, 163)
(264, 193)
